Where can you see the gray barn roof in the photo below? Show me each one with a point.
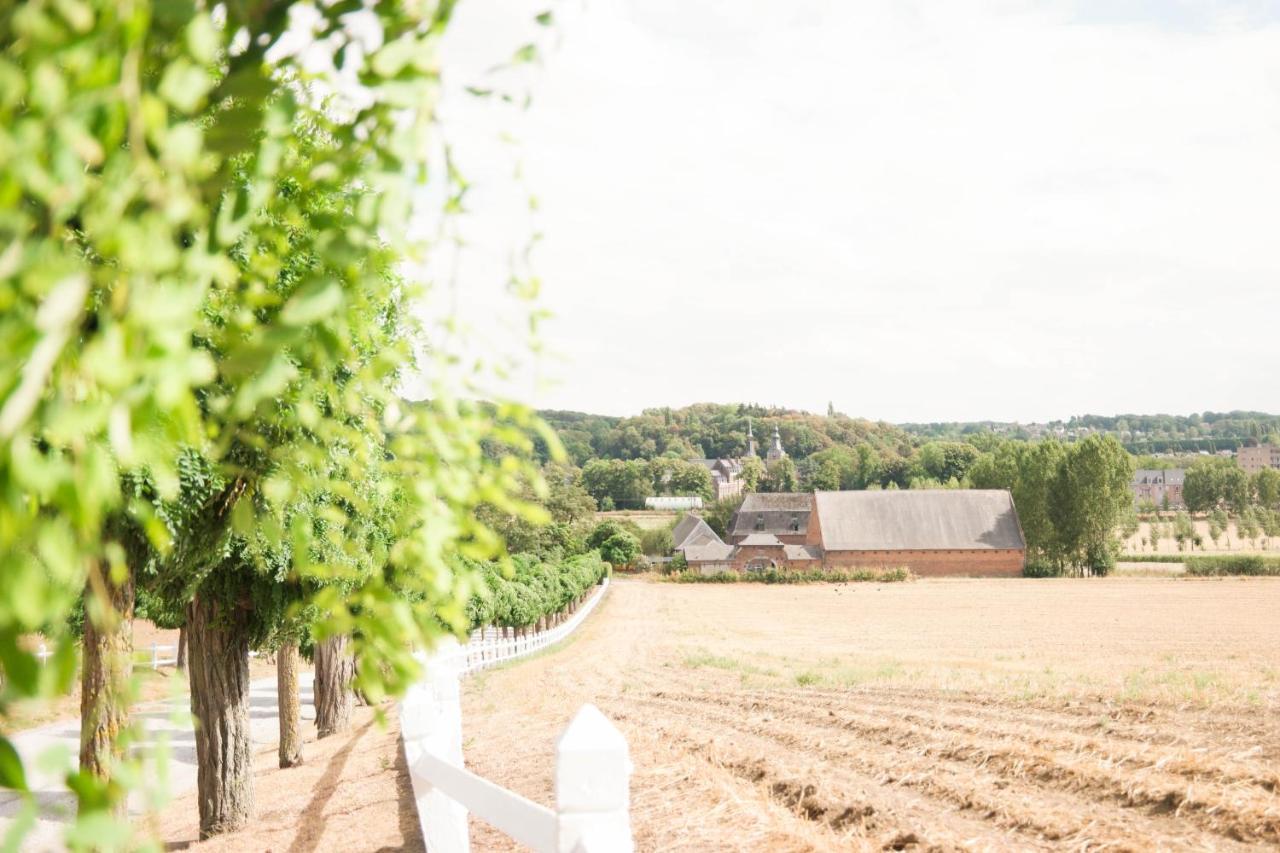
(1155, 476)
(711, 552)
(777, 513)
(763, 501)
(925, 520)
(692, 530)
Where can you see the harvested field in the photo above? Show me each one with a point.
(1125, 713)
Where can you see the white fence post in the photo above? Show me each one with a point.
(155, 657)
(593, 786)
(431, 721)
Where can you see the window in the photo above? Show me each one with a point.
(795, 524)
(759, 522)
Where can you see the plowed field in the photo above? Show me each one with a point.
(1118, 713)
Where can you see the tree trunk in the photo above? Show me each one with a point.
(105, 673)
(332, 687)
(182, 649)
(219, 671)
(287, 691)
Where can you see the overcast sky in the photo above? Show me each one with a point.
(916, 211)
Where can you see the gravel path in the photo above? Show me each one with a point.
(50, 751)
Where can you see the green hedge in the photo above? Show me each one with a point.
(1155, 558)
(1243, 564)
(774, 576)
(534, 589)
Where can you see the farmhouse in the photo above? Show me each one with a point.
(932, 532)
(784, 515)
(1163, 487)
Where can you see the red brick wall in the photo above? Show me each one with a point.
(984, 563)
(746, 553)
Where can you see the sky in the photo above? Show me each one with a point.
(915, 211)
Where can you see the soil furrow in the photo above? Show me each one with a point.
(1005, 765)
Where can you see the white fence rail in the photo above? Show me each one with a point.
(156, 661)
(592, 770)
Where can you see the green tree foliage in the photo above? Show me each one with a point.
(656, 541)
(621, 549)
(719, 513)
(519, 595)
(752, 473)
(672, 476)
(1071, 499)
(1090, 494)
(1217, 482)
(194, 267)
(624, 483)
(1266, 488)
(714, 431)
(780, 476)
(946, 460)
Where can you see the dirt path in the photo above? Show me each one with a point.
(1127, 712)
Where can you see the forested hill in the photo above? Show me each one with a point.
(710, 430)
(1208, 431)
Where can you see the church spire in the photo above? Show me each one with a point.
(775, 451)
(751, 439)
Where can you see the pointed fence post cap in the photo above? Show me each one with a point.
(593, 768)
(590, 730)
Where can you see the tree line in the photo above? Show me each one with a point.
(203, 334)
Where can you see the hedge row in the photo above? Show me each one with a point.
(1153, 558)
(535, 589)
(1243, 564)
(774, 576)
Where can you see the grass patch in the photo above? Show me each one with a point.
(1233, 565)
(697, 661)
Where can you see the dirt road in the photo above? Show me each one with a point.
(953, 713)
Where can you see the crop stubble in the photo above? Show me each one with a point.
(1118, 714)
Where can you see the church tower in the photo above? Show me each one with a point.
(775, 451)
(751, 440)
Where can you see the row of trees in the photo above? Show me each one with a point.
(1221, 483)
(624, 484)
(1071, 498)
(530, 590)
(202, 337)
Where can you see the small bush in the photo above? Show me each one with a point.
(1228, 565)
(1041, 569)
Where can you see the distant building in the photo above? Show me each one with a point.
(676, 502)
(726, 477)
(1254, 459)
(930, 532)
(692, 531)
(784, 515)
(775, 449)
(1157, 484)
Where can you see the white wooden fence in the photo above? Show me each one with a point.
(592, 770)
(156, 661)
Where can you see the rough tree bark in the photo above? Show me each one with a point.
(334, 698)
(287, 690)
(104, 674)
(219, 670)
(182, 649)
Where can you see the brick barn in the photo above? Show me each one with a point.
(930, 531)
(965, 532)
